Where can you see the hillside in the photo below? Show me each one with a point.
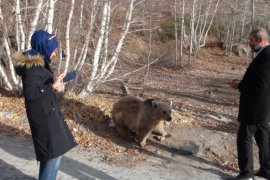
(204, 117)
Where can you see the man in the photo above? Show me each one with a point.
(254, 108)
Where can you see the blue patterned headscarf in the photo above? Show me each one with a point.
(42, 43)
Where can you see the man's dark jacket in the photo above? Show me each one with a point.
(254, 107)
(50, 133)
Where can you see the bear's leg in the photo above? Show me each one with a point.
(123, 132)
(159, 129)
(142, 137)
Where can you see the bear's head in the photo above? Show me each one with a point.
(160, 110)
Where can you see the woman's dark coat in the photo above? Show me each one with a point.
(50, 133)
(254, 107)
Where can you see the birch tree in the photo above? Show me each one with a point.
(34, 22)
(67, 35)
(182, 29)
(150, 42)
(252, 13)
(243, 22)
(7, 84)
(78, 33)
(21, 34)
(233, 29)
(3, 74)
(100, 39)
(50, 15)
(108, 69)
(192, 21)
(176, 30)
(83, 54)
(203, 24)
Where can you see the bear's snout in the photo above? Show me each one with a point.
(169, 118)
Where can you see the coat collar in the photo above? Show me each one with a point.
(21, 60)
(260, 51)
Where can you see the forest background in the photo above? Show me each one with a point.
(93, 33)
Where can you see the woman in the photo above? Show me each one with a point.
(50, 133)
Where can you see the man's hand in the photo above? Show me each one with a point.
(234, 83)
(58, 83)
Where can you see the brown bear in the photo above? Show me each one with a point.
(131, 114)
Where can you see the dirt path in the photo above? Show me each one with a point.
(18, 162)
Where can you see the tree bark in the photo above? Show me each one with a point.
(68, 35)
(34, 22)
(192, 20)
(182, 30)
(50, 16)
(20, 26)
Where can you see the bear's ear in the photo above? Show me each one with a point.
(154, 104)
(151, 102)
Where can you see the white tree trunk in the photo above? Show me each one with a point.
(83, 55)
(227, 41)
(232, 36)
(203, 25)
(110, 65)
(100, 41)
(252, 13)
(34, 23)
(192, 20)
(106, 39)
(176, 31)
(50, 16)
(6, 45)
(3, 75)
(150, 43)
(243, 22)
(17, 32)
(199, 22)
(20, 25)
(78, 34)
(5, 78)
(11, 67)
(210, 24)
(67, 35)
(114, 58)
(80, 62)
(182, 30)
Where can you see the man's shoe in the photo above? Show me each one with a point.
(241, 177)
(261, 173)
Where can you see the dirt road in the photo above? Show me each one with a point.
(18, 162)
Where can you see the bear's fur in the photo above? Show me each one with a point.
(131, 114)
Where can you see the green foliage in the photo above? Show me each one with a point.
(214, 30)
(168, 28)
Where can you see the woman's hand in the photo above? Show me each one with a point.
(58, 83)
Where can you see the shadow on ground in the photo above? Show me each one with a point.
(22, 149)
(8, 171)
